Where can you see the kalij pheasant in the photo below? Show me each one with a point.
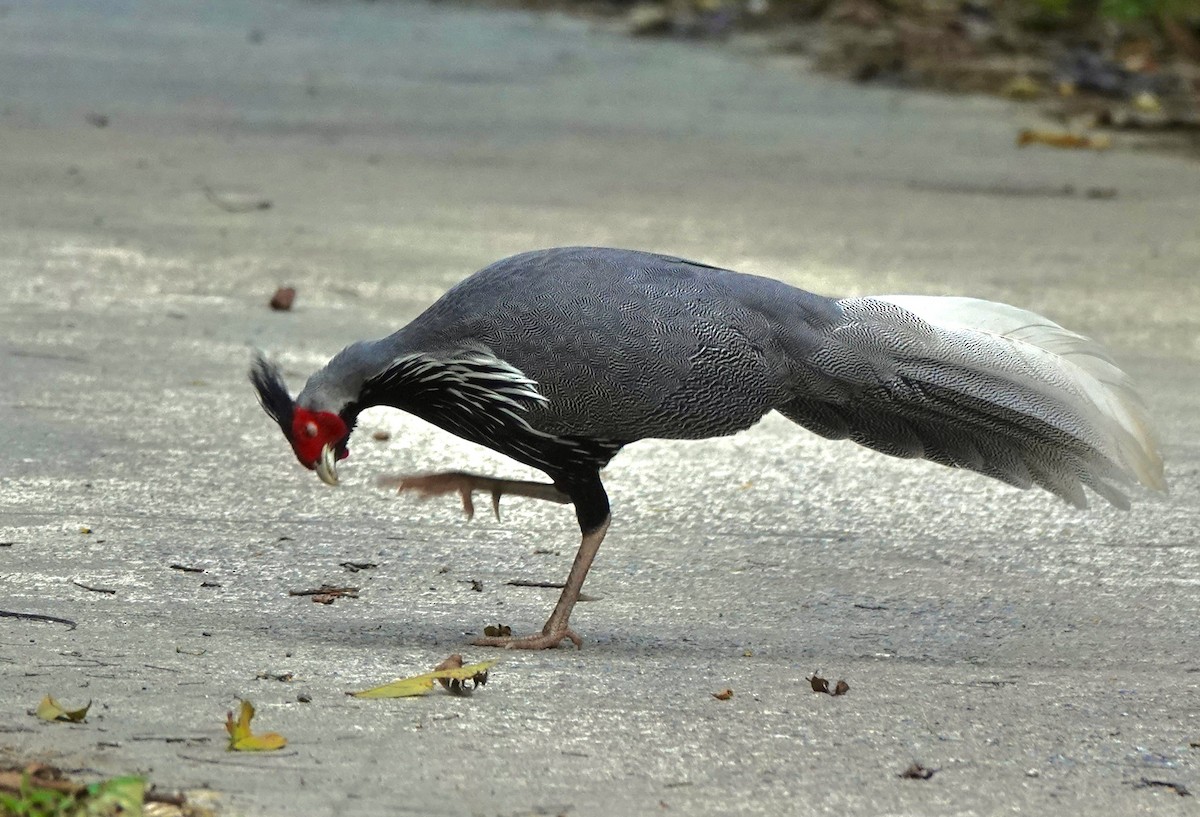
(559, 358)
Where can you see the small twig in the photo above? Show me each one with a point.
(95, 589)
(549, 586)
(39, 617)
(248, 206)
(170, 799)
(187, 569)
(1178, 788)
(172, 739)
(327, 590)
(248, 764)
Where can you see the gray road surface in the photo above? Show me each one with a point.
(1044, 660)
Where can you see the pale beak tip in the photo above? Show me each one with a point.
(326, 466)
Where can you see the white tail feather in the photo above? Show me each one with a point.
(1072, 367)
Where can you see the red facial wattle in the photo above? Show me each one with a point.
(312, 433)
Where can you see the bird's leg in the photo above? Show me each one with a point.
(465, 484)
(556, 628)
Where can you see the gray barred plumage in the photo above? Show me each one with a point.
(584, 350)
(558, 358)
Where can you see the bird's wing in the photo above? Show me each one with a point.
(482, 398)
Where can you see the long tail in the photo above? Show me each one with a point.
(980, 385)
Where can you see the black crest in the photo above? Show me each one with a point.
(272, 392)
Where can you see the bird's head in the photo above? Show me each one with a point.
(318, 437)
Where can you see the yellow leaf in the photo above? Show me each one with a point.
(402, 688)
(1147, 102)
(1021, 86)
(1063, 139)
(51, 710)
(242, 740)
(421, 684)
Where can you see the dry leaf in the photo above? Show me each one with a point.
(51, 710)
(283, 299)
(497, 631)
(453, 662)
(454, 678)
(723, 695)
(1022, 87)
(1147, 102)
(841, 688)
(1063, 139)
(240, 737)
(917, 772)
(819, 684)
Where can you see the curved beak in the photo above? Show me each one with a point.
(326, 466)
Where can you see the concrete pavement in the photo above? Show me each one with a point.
(1044, 660)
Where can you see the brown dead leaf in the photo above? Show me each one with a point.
(916, 771)
(1063, 139)
(497, 631)
(456, 684)
(453, 662)
(283, 299)
(820, 684)
(723, 695)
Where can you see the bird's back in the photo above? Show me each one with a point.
(628, 344)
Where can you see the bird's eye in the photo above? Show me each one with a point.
(310, 429)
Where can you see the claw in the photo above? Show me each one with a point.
(530, 642)
(326, 466)
(468, 504)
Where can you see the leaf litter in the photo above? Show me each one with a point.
(820, 684)
(241, 739)
(51, 710)
(451, 674)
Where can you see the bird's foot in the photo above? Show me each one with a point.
(542, 641)
(448, 482)
(465, 484)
